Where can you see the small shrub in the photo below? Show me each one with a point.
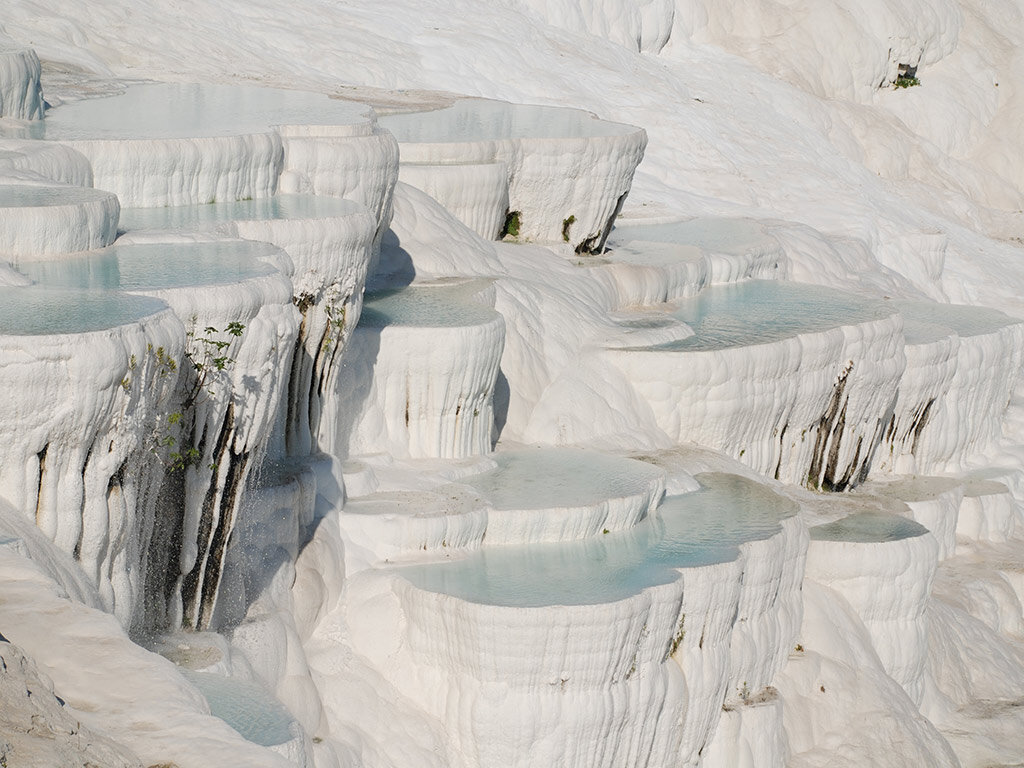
(906, 82)
(566, 224)
(511, 228)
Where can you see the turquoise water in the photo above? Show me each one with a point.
(263, 209)
(246, 707)
(27, 196)
(700, 528)
(715, 234)
(189, 110)
(484, 120)
(35, 311)
(928, 321)
(763, 311)
(869, 528)
(156, 266)
(441, 306)
(546, 478)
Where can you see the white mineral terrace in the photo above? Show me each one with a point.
(789, 379)
(568, 172)
(699, 252)
(533, 621)
(330, 241)
(408, 341)
(331, 440)
(172, 144)
(39, 221)
(888, 590)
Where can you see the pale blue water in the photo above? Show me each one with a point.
(483, 120)
(425, 306)
(262, 209)
(189, 110)
(763, 311)
(714, 234)
(248, 708)
(155, 266)
(928, 321)
(560, 477)
(35, 311)
(869, 528)
(27, 196)
(700, 528)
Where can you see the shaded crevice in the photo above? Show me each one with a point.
(920, 423)
(41, 457)
(596, 244)
(825, 429)
(828, 482)
(782, 444)
(192, 583)
(237, 464)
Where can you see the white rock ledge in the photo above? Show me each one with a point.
(41, 221)
(176, 144)
(774, 380)
(568, 172)
(883, 565)
(418, 381)
(21, 96)
(330, 243)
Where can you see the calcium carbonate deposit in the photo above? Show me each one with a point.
(544, 383)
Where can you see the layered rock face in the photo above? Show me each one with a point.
(582, 497)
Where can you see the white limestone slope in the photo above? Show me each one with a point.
(114, 687)
(21, 96)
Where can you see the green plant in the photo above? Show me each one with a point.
(906, 82)
(566, 223)
(207, 356)
(512, 222)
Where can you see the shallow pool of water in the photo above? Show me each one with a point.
(157, 266)
(928, 321)
(27, 196)
(36, 311)
(427, 306)
(262, 209)
(714, 234)
(695, 529)
(190, 110)
(764, 311)
(869, 528)
(246, 707)
(547, 478)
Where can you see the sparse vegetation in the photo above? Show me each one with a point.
(566, 224)
(906, 82)
(511, 228)
(207, 357)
